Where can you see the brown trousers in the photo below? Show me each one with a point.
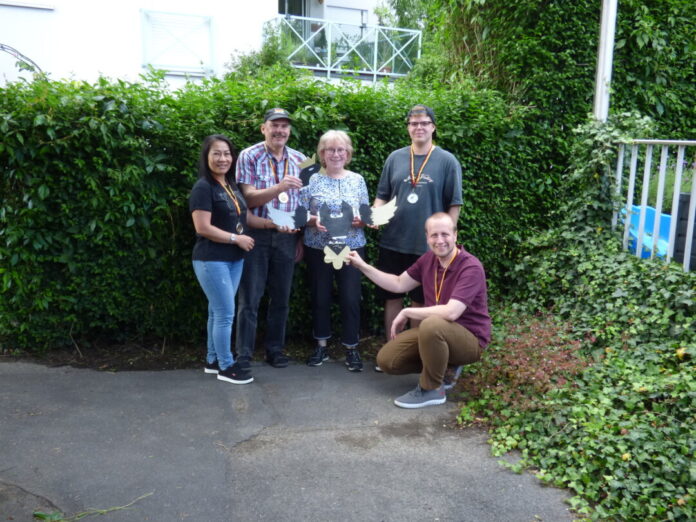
(428, 349)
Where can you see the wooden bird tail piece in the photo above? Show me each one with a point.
(337, 257)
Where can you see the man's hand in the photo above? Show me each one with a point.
(299, 251)
(287, 230)
(398, 323)
(290, 182)
(355, 260)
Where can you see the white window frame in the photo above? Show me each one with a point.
(156, 57)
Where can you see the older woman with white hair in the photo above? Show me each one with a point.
(337, 188)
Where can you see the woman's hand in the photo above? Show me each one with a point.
(246, 243)
(357, 222)
(314, 221)
(320, 227)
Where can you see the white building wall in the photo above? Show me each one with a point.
(81, 39)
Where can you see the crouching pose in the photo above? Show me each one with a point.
(454, 325)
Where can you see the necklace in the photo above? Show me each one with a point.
(239, 228)
(283, 196)
(416, 178)
(413, 197)
(438, 288)
(230, 193)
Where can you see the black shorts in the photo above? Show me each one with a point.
(394, 262)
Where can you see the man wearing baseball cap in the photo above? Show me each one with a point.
(268, 174)
(424, 179)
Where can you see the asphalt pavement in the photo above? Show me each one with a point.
(299, 443)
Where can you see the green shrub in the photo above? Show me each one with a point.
(620, 434)
(96, 235)
(621, 438)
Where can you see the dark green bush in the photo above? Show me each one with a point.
(96, 236)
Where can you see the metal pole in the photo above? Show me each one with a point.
(605, 55)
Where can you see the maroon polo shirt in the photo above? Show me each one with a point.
(465, 281)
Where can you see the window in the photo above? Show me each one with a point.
(177, 43)
(292, 7)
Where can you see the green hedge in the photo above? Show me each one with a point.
(95, 233)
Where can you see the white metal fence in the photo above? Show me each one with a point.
(337, 49)
(662, 224)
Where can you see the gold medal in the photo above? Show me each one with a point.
(283, 197)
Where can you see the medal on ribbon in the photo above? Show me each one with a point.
(413, 197)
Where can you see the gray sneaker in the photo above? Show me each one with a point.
(452, 373)
(420, 398)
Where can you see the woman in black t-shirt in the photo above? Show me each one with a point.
(221, 221)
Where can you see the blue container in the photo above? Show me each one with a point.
(648, 232)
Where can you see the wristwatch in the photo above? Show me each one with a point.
(233, 238)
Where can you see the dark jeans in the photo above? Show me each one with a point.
(269, 265)
(321, 279)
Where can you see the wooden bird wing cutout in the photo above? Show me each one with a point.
(293, 220)
(378, 215)
(337, 257)
(309, 168)
(338, 225)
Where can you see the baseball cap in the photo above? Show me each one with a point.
(276, 114)
(421, 110)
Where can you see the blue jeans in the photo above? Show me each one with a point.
(269, 265)
(220, 281)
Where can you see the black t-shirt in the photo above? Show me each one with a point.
(213, 198)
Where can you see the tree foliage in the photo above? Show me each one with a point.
(543, 53)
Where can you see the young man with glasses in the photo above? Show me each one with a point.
(425, 179)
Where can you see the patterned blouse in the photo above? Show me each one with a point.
(323, 189)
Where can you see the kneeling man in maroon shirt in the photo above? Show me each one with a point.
(454, 327)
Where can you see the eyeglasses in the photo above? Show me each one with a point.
(331, 151)
(416, 124)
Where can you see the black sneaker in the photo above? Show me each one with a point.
(353, 361)
(318, 357)
(244, 362)
(212, 367)
(277, 359)
(235, 375)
